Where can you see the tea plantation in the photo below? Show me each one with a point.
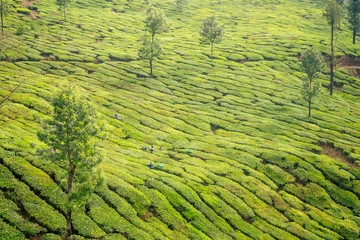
(241, 159)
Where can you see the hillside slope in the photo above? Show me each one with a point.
(241, 159)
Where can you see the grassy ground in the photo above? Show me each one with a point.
(259, 168)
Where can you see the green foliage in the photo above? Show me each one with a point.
(150, 50)
(69, 134)
(63, 6)
(353, 9)
(85, 226)
(8, 232)
(10, 212)
(6, 7)
(332, 12)
(181, 4)
(111, 222)
(211, 32)
(257, 169)
(34, 206)
(312, 64)
(50, 236)
(25, 11)
(155, 21)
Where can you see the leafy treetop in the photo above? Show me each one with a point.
(332, 12)
(155, 22)
(210, 31)
(312, 62)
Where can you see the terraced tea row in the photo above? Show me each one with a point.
(240, 158)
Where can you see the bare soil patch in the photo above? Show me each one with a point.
(337, 154)
(149, 214)
(352, 64)
(33, 13)
(26, 3)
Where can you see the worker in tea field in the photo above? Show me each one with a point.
(119, 118)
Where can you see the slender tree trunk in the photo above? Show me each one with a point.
(151, 55)
(2, 17)
(69, 210)
(332, 61)
(151, 71)
(212, 48)
(64, 11)
(354, 35)
(310, 99)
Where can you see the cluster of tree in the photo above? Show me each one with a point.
(70, 130)
(333, 12)
(155, 23)
(312, 62)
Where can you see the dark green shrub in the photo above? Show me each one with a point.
(109, 220)
(86, 227)
(8, 232)
(23, 11)
(10, 212)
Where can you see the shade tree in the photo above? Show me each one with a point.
(5, 8)
(211, 32)
(311, 63)
(150, 50)
(69, 133)
(332, 13)
(63, 6)
(155, 23)
(353, 9)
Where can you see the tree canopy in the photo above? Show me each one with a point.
(69, 134)
(63, 6)
(5, 8)
(155, 22)
(311, 63)
(211, 32)
(353, 9)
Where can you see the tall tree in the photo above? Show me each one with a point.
(211, 32)
(332, 14)
(69, 132)
(150, 50)
(311, 63)
(354, 17)
(342, 5)
(5, 8)
(155, 23)
(63, 6)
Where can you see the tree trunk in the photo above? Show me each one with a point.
(310, 98)
(332, 61)
(212, 48)
(354, 35)
(2, 17)
(69, 210)
(64, 11)
(152, 53)
(151, 71)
